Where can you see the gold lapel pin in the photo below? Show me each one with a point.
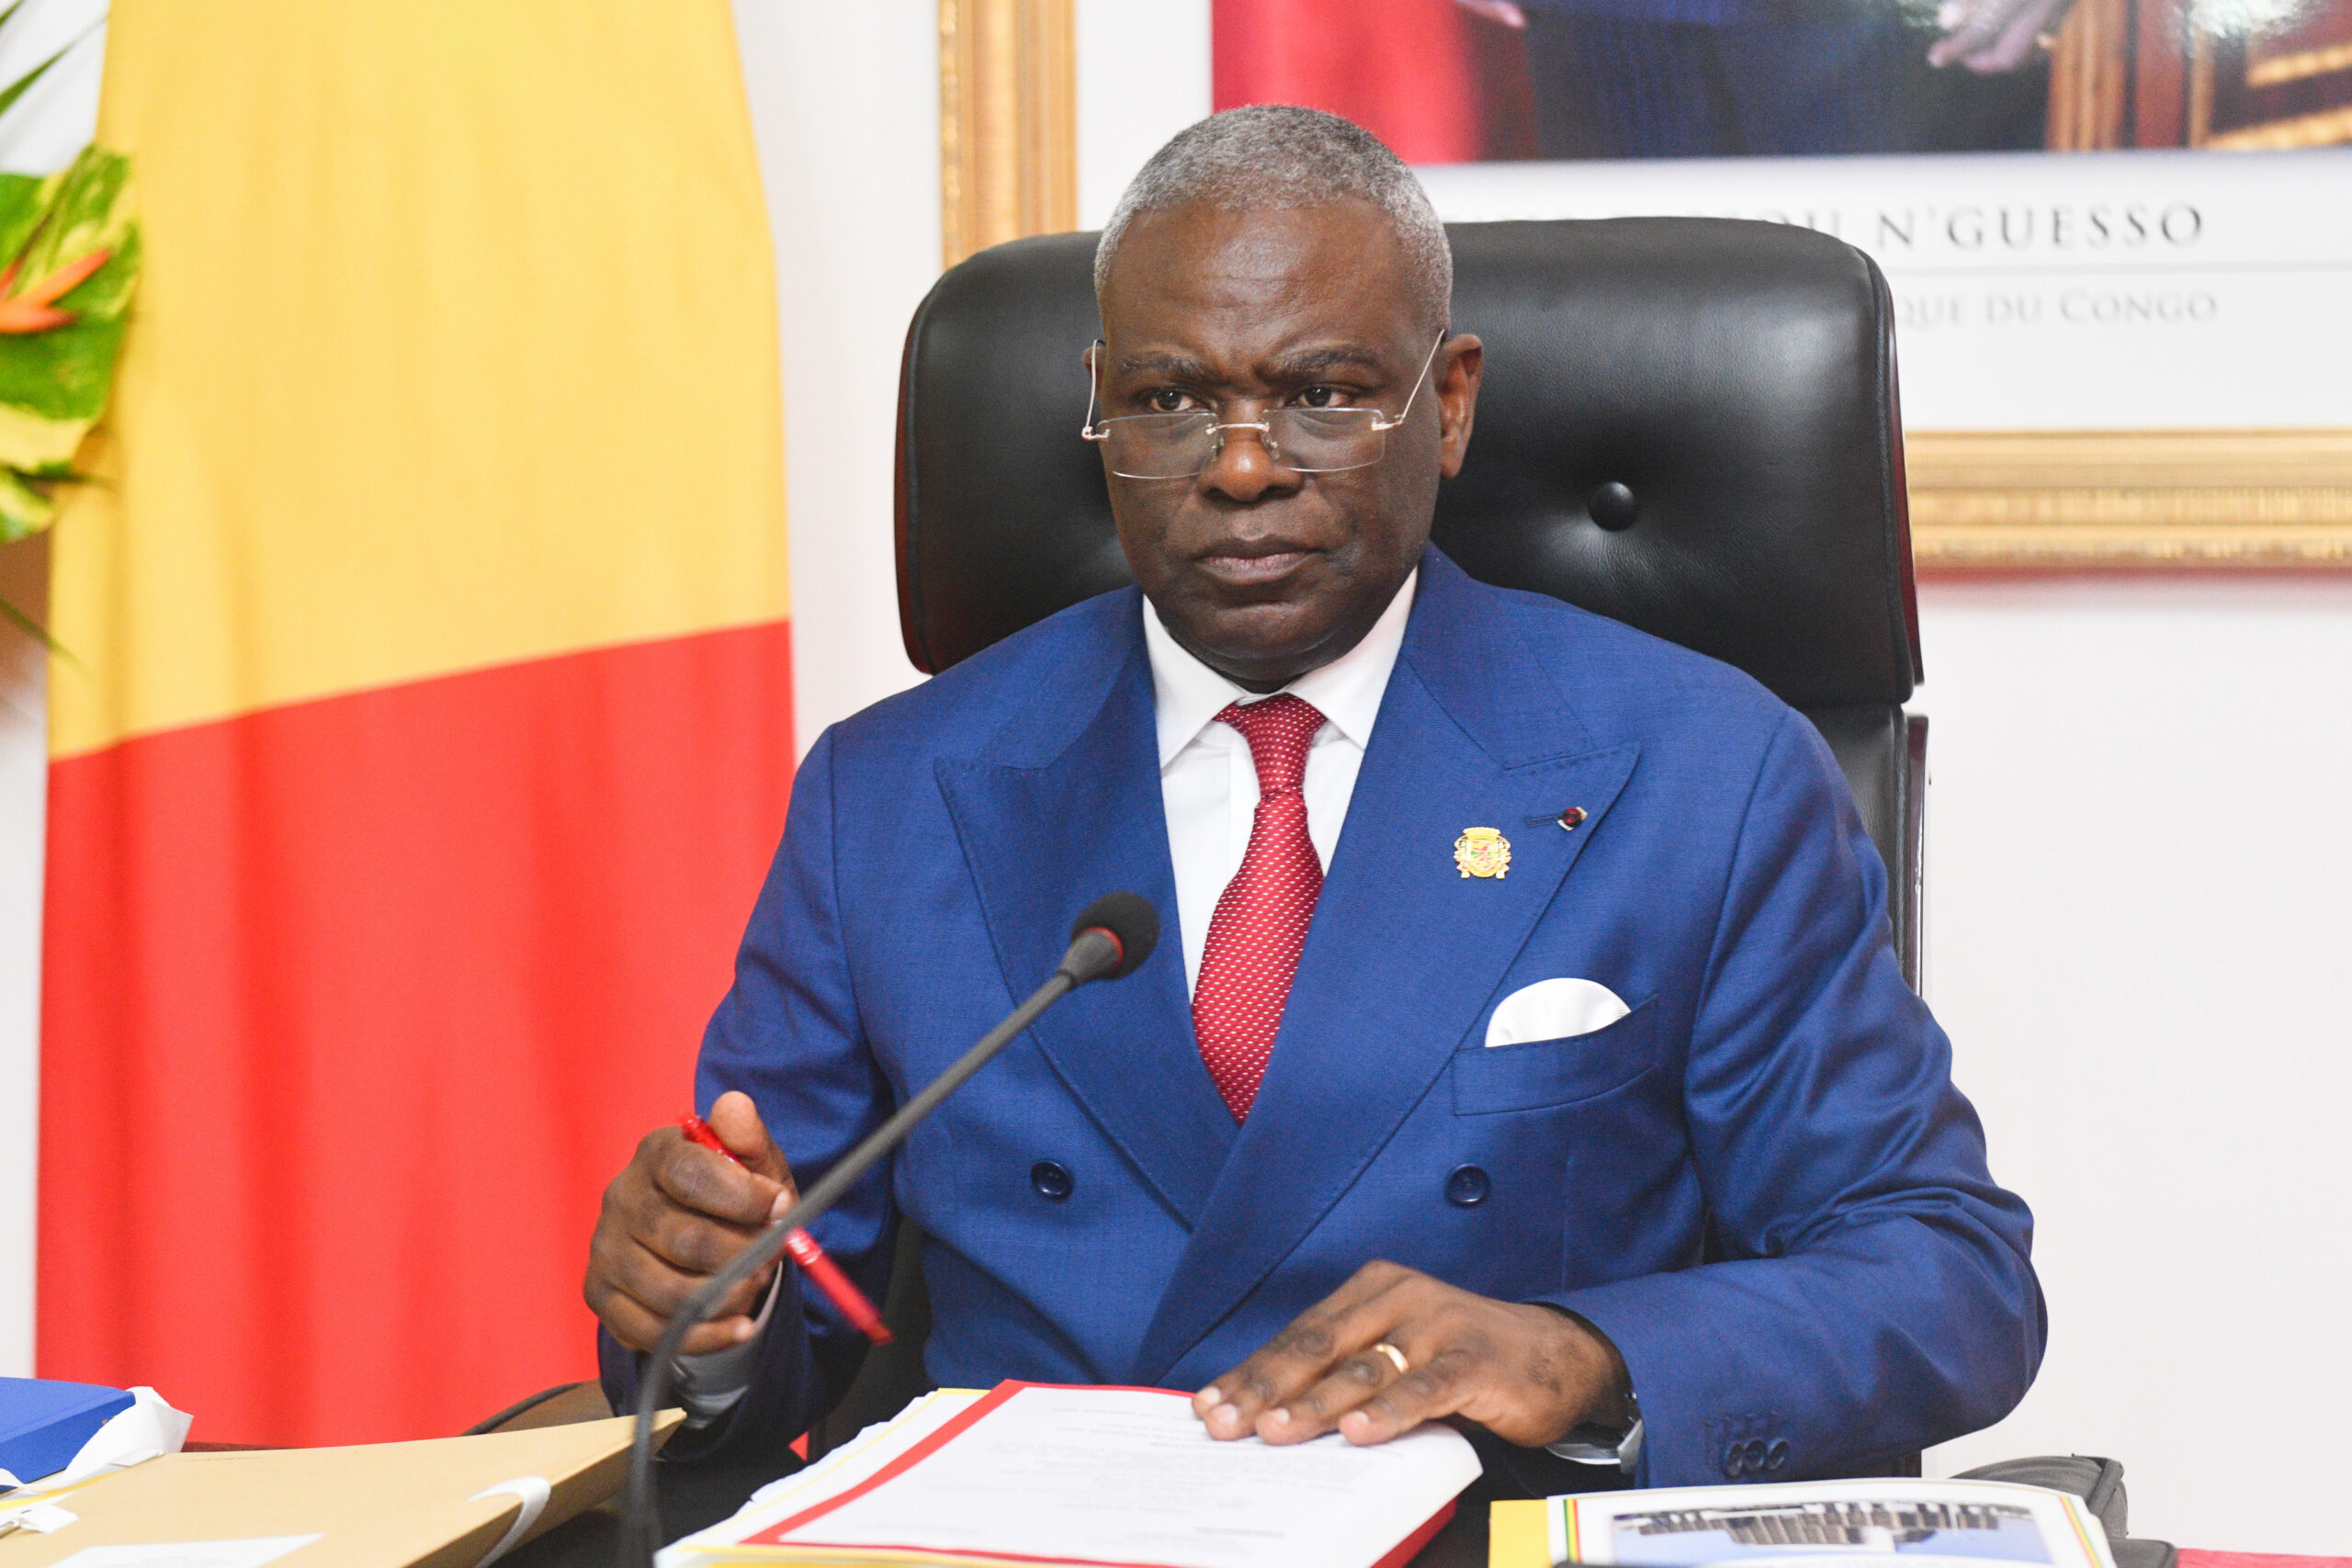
(1482, 852)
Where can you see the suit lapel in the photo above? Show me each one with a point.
(1405, 951)
(1066, 806)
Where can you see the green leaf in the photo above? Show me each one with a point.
(23, 84)
(22, 209)
(84, 207)
(54, 384)
(24, 509)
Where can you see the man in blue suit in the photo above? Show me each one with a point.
(1519, 952)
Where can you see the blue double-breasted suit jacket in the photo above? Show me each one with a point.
(1775, 1075)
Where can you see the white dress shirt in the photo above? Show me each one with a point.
(1209, 784)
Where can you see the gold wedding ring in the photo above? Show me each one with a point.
(1395, 1355)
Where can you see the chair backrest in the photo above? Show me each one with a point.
(1688, 424)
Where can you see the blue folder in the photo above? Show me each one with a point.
(43, 1425)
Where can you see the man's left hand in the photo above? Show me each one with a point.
(1528, 1374)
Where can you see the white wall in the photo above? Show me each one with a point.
(1143, 74)
(2139, 858)
(846, 103)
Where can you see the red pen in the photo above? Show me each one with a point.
(822, 1271)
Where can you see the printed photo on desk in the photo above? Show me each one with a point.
(2117, 233)
(1858, 1524)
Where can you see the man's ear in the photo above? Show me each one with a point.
(1460, 364)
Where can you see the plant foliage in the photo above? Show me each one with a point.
(73, 250)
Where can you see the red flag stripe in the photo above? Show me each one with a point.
(351, 1007)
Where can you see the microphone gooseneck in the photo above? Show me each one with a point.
(1110, 938)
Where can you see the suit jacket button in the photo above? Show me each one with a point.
(1776, 1458)
(1467, 1186)
(1752, 1455)
(1052, 1181)
(1734, 1461)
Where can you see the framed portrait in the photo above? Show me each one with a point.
(2118, 233)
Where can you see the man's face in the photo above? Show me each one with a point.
(1261, 571)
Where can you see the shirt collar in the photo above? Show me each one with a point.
(1188, 695)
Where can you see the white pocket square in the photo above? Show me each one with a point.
(1554, 1010)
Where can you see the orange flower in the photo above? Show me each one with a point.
(35, 310)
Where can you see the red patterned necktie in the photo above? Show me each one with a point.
(1261, 919)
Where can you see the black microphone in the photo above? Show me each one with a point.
(1109, 939)
(1110, 936)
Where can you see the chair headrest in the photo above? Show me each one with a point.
(1686, 423)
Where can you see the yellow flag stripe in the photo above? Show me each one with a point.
(455, 346)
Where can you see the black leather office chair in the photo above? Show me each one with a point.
(1688, 424)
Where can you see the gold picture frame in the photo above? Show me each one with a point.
(1008, 121)
(2019, 499)
(1979, 501)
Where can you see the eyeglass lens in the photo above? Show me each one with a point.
(1310, 441)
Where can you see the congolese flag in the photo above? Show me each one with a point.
(426, 724)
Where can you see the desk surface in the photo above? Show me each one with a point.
(696, 1495)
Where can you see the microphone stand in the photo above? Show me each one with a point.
(641, 1524)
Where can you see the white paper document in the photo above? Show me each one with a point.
(1104, 1476)
(853, 1463)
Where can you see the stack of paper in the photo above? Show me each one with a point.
(1032, 1474)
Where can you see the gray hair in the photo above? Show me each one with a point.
(1279, 155)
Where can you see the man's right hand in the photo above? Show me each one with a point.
(675, 1217)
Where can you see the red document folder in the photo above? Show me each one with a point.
(1108, 1478)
